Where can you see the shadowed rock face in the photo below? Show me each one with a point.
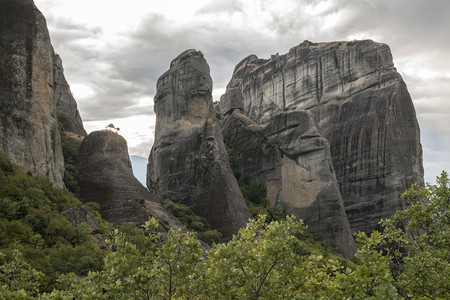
(362, 108)
(294, 162)
(106, 177)
(188, 162)
(28, 126)
(66, 106)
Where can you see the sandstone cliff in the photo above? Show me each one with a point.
(106, 177)
(28, 123)
(188, 162)
(294, 162)
(362, 108)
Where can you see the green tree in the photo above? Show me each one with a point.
(256, 263)
(417, 242)
(169, 270)
(18, 280)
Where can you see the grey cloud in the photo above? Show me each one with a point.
(151, 48)
(114, 99)
(222, 6)
(142, 149)
(64, 30)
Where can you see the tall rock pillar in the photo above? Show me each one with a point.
(188, 162)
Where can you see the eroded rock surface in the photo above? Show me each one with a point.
(106, 177)
(294, 162)
(28, 123)
(188, 162)
(362, 108)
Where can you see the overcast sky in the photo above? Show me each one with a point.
(113, 51)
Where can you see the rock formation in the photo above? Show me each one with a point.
(362, 108)
(293, 160)
(106, 177)
(28, 123)
(66, 106)
(188, 162)
(79, 214)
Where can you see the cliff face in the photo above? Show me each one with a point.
(188, 162)
(106, 177)
(361, 107)
(293, 160)
(28, 123)
(66, 106)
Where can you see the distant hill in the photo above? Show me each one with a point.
(139, 168)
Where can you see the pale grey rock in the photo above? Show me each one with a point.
(361, 106)
(308, 186)
(293, 160)
(106, 177)
(188, 162)
(29, 132)
(231, 100)
(66, 106)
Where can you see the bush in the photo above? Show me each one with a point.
(60, 231)
(79, 259)
(211, 237)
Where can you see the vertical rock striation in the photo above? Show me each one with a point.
(28, 123)
(361, 106)
(293, 160)
(188, 162)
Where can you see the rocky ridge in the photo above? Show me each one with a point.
(361, 107)
(66, 106)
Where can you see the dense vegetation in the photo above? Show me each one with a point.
(32, 229)
(43, 256)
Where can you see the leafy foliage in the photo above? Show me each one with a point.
(30, 222)
(417, 242)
